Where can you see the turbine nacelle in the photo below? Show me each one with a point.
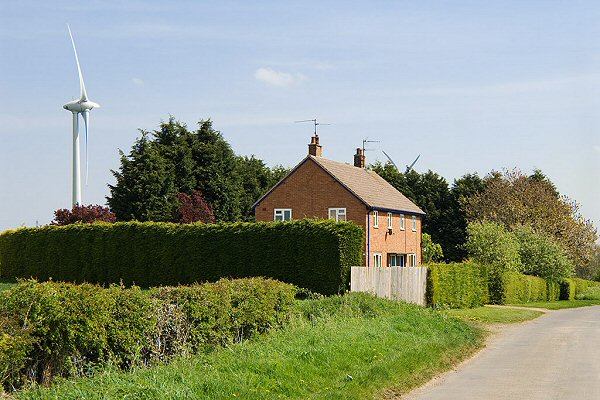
(80, 106)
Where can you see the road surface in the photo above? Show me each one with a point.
(556, 356)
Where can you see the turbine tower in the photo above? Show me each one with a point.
(83, 107)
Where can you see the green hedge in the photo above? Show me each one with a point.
(316, 255)
(60, 329)
(458, 285)
(519, 288)
(570, 288)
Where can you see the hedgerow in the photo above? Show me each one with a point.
(312, 254)
(573, 287)
(55, 329)
(457, 285)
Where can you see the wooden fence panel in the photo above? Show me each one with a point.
(399, 283)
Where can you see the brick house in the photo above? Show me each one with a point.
(321, 188)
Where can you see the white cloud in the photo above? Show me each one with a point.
(277, 78)
(137, 81)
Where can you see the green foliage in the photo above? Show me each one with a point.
(573, 287)
(492, 245)
(513, 199)
(312, 254)
(59, 329)
(519, 288)
(173, 159)
(463, 285)
(540, 256)
(432, 252)
(591, 293)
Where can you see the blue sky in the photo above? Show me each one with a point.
(470, 85)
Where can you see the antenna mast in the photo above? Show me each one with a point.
(365, 141)
(314, 121)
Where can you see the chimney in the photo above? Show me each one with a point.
(359, 158)
(314, 148)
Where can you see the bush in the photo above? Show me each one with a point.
(456, 285)
(60, 329)
(519, 288)
(591, 293)
(540, 256)
(571, 288)
(492, 245)
(83, 214)
(316, 255)
(432, 252)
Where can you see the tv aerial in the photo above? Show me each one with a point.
(315, 122)
(364, 144)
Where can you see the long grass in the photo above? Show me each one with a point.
(350, 347)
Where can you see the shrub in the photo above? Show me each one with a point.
(540, 256)
(591, 293)
(456, 285)
(519, 288)
(571, 288)
(432, 252)
(316, 255)
(55, 329)
(85, 214)
(492, 245)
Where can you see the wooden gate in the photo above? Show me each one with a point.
(399, 283)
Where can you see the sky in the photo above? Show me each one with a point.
(470, 86)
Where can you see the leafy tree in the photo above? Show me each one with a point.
(513, 199)
(193, 208)
(432, 252)
(491, 244)
(540, 256)
(83, 214)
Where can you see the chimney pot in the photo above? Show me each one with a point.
(359, 158)
(314, 148)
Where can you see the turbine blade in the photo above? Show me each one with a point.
(86, 121)
(83, 96)
(392, 161)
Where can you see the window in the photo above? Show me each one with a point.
(282, 214)
(377, 260)
(412, 260)
(389, 220)
(339, 214)
(375, 219)
(414, 223)
(401, 221)
(396, 260)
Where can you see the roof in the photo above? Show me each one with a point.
(374, 191)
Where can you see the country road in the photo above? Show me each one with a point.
(556, 356)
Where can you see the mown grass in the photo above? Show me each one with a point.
(494, 315)
(559, 305)
(342, 348)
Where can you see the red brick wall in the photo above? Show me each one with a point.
(310, 192)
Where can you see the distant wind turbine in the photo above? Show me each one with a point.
(83, 107)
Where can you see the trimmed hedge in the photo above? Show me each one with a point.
(60, 329)
(457, 285)
(519, 288)
(570, 288)
(312, 254)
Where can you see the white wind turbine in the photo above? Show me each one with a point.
(83, 107)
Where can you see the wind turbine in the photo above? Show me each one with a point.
(83, 107)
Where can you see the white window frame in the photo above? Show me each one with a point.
(396, 257)
(389, 220)
(377, 260)
(338, 214)
(414, 223)
(412, 260)
(280, 212)
(375, 219)
(401, 222)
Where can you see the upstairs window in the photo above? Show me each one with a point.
(414, 223)
(401, 221)
(389, 220)
(338, 214)
(375, 219)
(282, 214)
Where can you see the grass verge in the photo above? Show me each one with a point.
(559, 305)
(494, 315)
(338, 351)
